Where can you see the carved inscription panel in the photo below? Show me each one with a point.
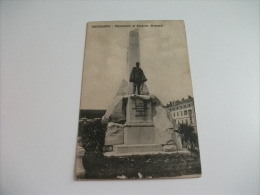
(138, 110)
(140, 107)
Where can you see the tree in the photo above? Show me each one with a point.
(188, 136)
(92, 135)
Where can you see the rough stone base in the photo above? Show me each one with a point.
(139, 135)
(169, 148)
(114, 134)
(137, 148)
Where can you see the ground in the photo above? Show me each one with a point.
(149, 166)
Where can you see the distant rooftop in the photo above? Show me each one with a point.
(178, 102)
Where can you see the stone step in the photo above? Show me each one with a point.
(137, 148)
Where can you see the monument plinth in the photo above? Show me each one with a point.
(137, 148)
(139, 127)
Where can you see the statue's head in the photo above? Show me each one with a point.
(137, 64)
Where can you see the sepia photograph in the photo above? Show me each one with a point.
(137, 114)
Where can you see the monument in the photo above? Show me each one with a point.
(137, 121)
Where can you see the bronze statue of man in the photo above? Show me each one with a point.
(138, 78)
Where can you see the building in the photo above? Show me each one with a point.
(183, 111)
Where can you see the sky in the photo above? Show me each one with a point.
(163, 58)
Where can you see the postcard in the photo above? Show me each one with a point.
(137, 115)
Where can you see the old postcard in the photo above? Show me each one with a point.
(137, 112)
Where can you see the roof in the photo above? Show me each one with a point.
(180, 102)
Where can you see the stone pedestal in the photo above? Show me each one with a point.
(80, 171)
(139, 127)
(143, 130)
(139, 134)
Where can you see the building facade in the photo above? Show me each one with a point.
(183, 111)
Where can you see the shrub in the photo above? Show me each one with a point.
(188, 136)
(92, 133)
(150, 166)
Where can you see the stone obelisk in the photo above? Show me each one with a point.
(133, 55)
(133, 50)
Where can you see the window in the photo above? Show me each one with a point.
(177, 113)
(181, 113)
(174, 114)
(185, 112)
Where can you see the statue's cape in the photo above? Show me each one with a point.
(137, 75)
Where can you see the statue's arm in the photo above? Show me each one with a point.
(131, 76)
(144, 79)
